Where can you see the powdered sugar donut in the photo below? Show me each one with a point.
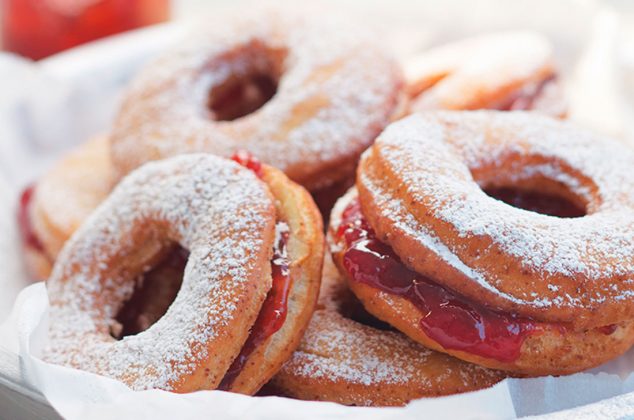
(302, 94)
(242, 250)
(344, 358)
(468, 274)
(504, 71)
(52, 209)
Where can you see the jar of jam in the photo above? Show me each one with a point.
(39, 28)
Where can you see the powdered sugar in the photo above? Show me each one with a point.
(434, 156)
(336, 92)
(369, 365)
(216, 209)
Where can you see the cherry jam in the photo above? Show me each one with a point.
(607, 329)
(447, 318)
(39, 28)
(274, 309)
(249, 161)
(29, 237)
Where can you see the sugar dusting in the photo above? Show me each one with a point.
(435, 153)
(360, 353)
(336, 91)
(214, 208)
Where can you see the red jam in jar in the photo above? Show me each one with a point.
(39, 28)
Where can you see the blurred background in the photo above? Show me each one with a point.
(36, 29)
(39, 28)
(593, 40)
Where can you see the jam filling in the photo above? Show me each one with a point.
(274, 309)
(154, 293)
(537, 202)
(29, 237)
(607, 329)
(247, 160)
(447, 318)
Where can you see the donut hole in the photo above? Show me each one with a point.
(537, 201)
(241, 95)
(252, 73)
(154, 292)
(531, 184)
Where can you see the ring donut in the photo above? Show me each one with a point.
(500, 286)
(342, 360)
(52, 209)
(254, 264)
(503, 71)
(325, 93)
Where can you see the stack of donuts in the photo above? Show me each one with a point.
(283, 208)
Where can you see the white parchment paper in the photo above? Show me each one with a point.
(46, 108)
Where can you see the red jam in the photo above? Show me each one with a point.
(607, 329)
(154, 293)
(447, 318)
(24, 220)
(247, 160)
(538, 202)
(274, 309)
(39, 28)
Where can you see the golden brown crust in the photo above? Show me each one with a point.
(38, 264)
(345, 361)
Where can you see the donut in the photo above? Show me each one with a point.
(502, 71)
(428, 245)
(346, 358)
(302, 94)
(253, 247)
(52, 209)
